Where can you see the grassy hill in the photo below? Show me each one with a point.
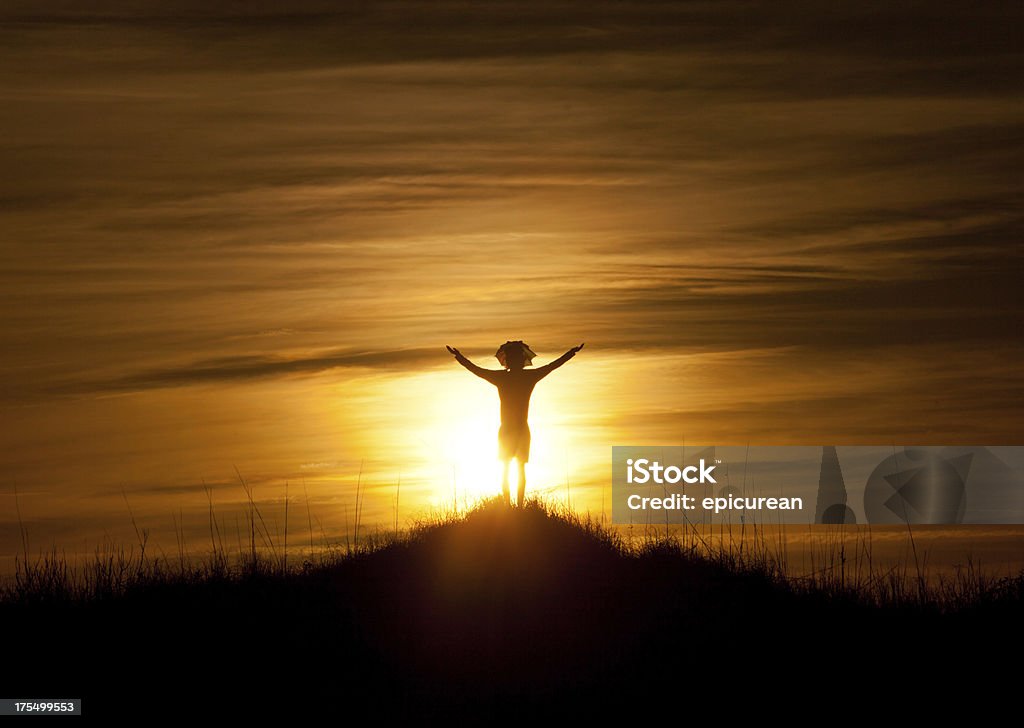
(502, 612)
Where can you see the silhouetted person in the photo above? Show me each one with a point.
(515, 384)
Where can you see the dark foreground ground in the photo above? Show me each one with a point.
(507, 614)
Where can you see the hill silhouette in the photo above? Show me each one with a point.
(501, 612)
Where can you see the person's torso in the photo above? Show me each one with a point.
(514, 390)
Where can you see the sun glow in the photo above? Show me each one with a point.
(464, 428)
(437, 431)
(453, 429)
(470, 447)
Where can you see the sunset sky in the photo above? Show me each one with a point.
(234, 236)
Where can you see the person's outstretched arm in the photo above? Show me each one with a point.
(488, 374)
(552, 366)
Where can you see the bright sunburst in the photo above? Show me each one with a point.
(454, 425)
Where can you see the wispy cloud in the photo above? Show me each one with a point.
(240, 368)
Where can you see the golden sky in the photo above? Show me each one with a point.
(233, 237)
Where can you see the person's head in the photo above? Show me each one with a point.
(514, 355)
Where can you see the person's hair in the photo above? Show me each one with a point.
(515, 350)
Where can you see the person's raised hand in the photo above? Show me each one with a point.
(576, 348)
(456, 352)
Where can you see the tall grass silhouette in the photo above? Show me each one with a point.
(842, 562)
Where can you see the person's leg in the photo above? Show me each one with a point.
(521, 496)
(522, 457)
(504, 482)
(504, 456)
